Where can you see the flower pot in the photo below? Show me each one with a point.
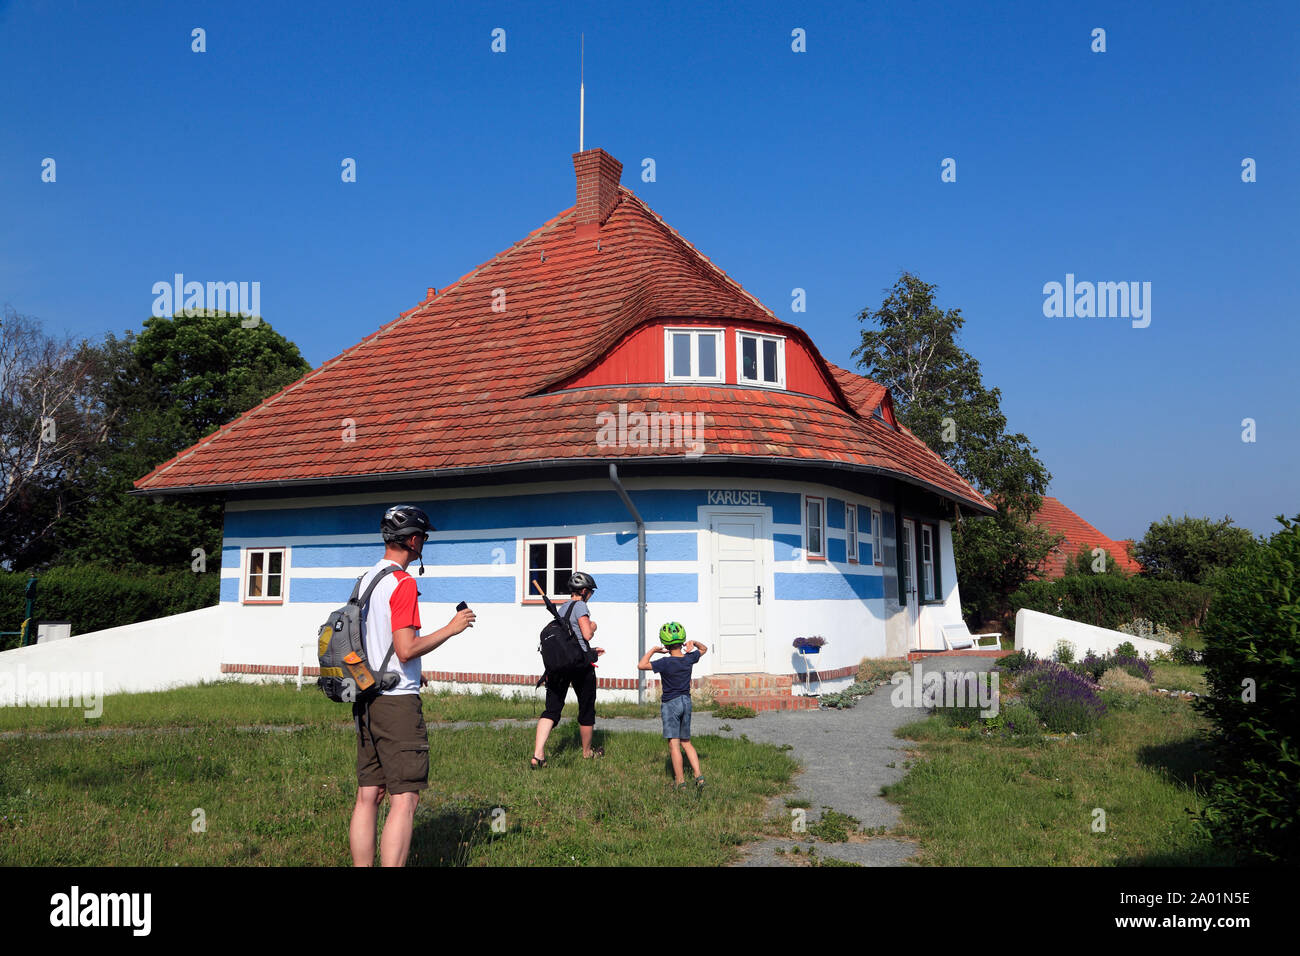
(811, 650)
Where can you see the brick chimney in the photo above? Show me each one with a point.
(598, 175)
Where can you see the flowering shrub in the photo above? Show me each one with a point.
(1093, 666)
(1064, 700)
(1143, 627)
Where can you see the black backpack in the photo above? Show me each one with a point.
(559, 647)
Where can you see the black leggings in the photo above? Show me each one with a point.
(583, 679)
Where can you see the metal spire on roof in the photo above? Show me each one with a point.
(582, 89)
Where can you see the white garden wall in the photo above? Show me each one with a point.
(151, 655)
(1041, 633)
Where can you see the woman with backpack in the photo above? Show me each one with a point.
(581, 676)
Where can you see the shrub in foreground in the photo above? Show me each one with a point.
(1252, 667)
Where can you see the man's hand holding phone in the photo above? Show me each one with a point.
(464, 618)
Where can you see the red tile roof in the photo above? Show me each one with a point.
(1078, 534)
(452, 385)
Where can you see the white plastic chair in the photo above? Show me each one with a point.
(957, 636)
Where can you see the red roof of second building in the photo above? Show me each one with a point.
(454, 385)
(1078, 534)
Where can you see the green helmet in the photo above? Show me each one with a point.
(672, 634)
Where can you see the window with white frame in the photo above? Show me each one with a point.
(814, 533)
(927, 563)
(851, 529)
(549, 561)
(877, 549)
(760, 359)
(693, 355)
(264, 576)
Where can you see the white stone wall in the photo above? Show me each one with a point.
(1041, 633)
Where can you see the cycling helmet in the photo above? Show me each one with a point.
(402, 521)
(672, 634)
(579, 580)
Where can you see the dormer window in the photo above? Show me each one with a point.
(693, 355)
(761, 359)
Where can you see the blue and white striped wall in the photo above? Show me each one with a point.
(477, 555)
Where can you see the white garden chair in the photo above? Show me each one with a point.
(957, 637)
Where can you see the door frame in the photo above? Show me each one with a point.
(763, 551)
(909, 582)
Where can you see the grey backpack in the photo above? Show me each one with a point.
(345, 674)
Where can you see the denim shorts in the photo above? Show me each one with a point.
(676, 714)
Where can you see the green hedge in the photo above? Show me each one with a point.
(94, 598)
(1252, 666)
(1109, 600)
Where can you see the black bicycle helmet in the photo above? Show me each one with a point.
(402, 521)
(579, 580)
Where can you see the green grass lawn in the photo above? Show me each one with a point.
(974, 800)
(285, 797)
(1180, 677)
(236, 703)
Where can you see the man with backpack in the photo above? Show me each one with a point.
(581, 675)
(392, 742)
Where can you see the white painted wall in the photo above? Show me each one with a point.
(152, 655)
(187, 648)
(1041, 633)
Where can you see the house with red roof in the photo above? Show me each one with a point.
(1077, 534)
(597, 396)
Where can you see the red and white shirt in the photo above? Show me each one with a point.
(394, 605)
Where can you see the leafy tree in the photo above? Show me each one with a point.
(1190, 549)
(50, 424)
(940, 395)
(176, 382)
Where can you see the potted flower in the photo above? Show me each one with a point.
(809, 645)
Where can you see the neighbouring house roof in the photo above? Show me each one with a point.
(453, 386)
(1078, 534)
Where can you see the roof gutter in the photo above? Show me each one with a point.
(640, 577)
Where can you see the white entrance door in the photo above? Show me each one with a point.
(738, 596)
(907, 541)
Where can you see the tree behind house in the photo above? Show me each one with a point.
(180, 379)
(940, 395)
(1190, 549)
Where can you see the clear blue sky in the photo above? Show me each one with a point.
(818, 170)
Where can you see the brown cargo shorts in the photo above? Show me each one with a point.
(397, 756)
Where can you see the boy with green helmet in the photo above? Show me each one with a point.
(675, 702)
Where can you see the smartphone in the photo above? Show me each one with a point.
(461, 606)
